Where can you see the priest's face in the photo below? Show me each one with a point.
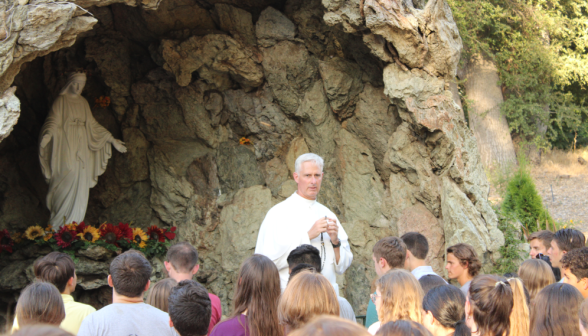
(309, 180)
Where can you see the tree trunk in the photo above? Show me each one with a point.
(488, 124)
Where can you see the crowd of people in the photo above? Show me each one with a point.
(410, 299)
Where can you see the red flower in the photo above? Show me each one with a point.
(126, 231)
(5, 241)
(65, 236)
(156, 233)
(110, 233)
(170, 233)
(81, 227)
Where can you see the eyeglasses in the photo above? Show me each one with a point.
(373, 296)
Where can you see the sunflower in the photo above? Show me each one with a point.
(65, 237)
(81, 227)
(90, 234)
(17, 237)
(156, 233)
(139, 237)
(34, 232)
(5, 241)
(110, 233)
(126, 231)
(73, 226)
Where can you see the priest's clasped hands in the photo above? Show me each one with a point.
(328, 225)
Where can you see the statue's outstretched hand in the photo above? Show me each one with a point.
(45, 140)
(119, 145)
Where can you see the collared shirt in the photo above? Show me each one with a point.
(75, 313)
(421, 271)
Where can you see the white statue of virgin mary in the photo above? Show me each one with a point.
(74, 151)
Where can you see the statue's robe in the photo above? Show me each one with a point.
(74, 158)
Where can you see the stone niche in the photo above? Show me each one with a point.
(188, 79)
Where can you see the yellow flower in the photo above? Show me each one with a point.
(49, 228)
(34, 232)
(73, 226)
(90, 234)
(139, 237)
(17, 237)
(48, 236)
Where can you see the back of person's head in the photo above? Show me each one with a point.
(305, 254)
(569, 239)
(189, 308)
(183, 257)
(584, 316)
(258, 292)
(300, 268)
(392, 249)
(130, 273)
(467, 257)
(535, 274)
(446, 304)
(402, 296)
(56, 268)
(308, 295)
(40, 330)
(417, 244)
(545, 236)
(555, 311)
(403, 328)
(431, 281)
(326, 325)
(499, 306)
(158, 294)
(40, 303)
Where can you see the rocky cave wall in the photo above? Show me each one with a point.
(365, 84)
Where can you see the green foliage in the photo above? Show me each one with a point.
(541, 50)
(511, 254)
(523, 203)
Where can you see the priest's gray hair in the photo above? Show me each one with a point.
(307, 158)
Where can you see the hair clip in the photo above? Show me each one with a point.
(499, 283)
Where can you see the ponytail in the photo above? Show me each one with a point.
(461, 329)
(519, 317)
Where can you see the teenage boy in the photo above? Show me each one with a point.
(540, 242)
(563, 242)
(189, 309)
(388, 253)
(59, 269)
(463, 265)
(182, 264)
(307, 256)
(417, 248)
(574, 266)
(128, 314)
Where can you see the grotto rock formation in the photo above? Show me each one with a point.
(365, 84)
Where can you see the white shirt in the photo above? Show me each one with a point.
(286, 227)
(373, 329)
(421, 271)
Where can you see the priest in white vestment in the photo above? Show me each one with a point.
(300, 219)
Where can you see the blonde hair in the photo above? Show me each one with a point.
(536, 274)
(402, 297)
(331, 326)
(520, 316)
(306, 296)
(158, 294)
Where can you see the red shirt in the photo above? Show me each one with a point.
(216, 311)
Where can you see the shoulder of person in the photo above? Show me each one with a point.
(213, 298)
(373, 329)
(83, 307)
(224, 326)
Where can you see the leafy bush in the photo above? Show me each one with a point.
(511, 254)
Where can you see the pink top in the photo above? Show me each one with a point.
(216, 311)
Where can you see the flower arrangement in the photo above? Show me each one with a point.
(73, 237)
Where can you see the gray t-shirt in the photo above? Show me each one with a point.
(127, 319)
(345, 309)
(466, 287)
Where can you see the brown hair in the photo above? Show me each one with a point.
(577, 262)
(189, 308)
(182, 256)
(40, 330)
(326, 325)
(392, 249)
(545, 236)
(306, 296)
(467, 257)
(569, 239)
(499, 306)
(258, 292)
(555, 311)
(158, 295)
(56, 268)
(403, 328)
(417, 244)
(402, 296)
(40, 302)
(584, 314)
(130, 273)
(536, 274)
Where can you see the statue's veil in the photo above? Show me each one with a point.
(72, 78)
